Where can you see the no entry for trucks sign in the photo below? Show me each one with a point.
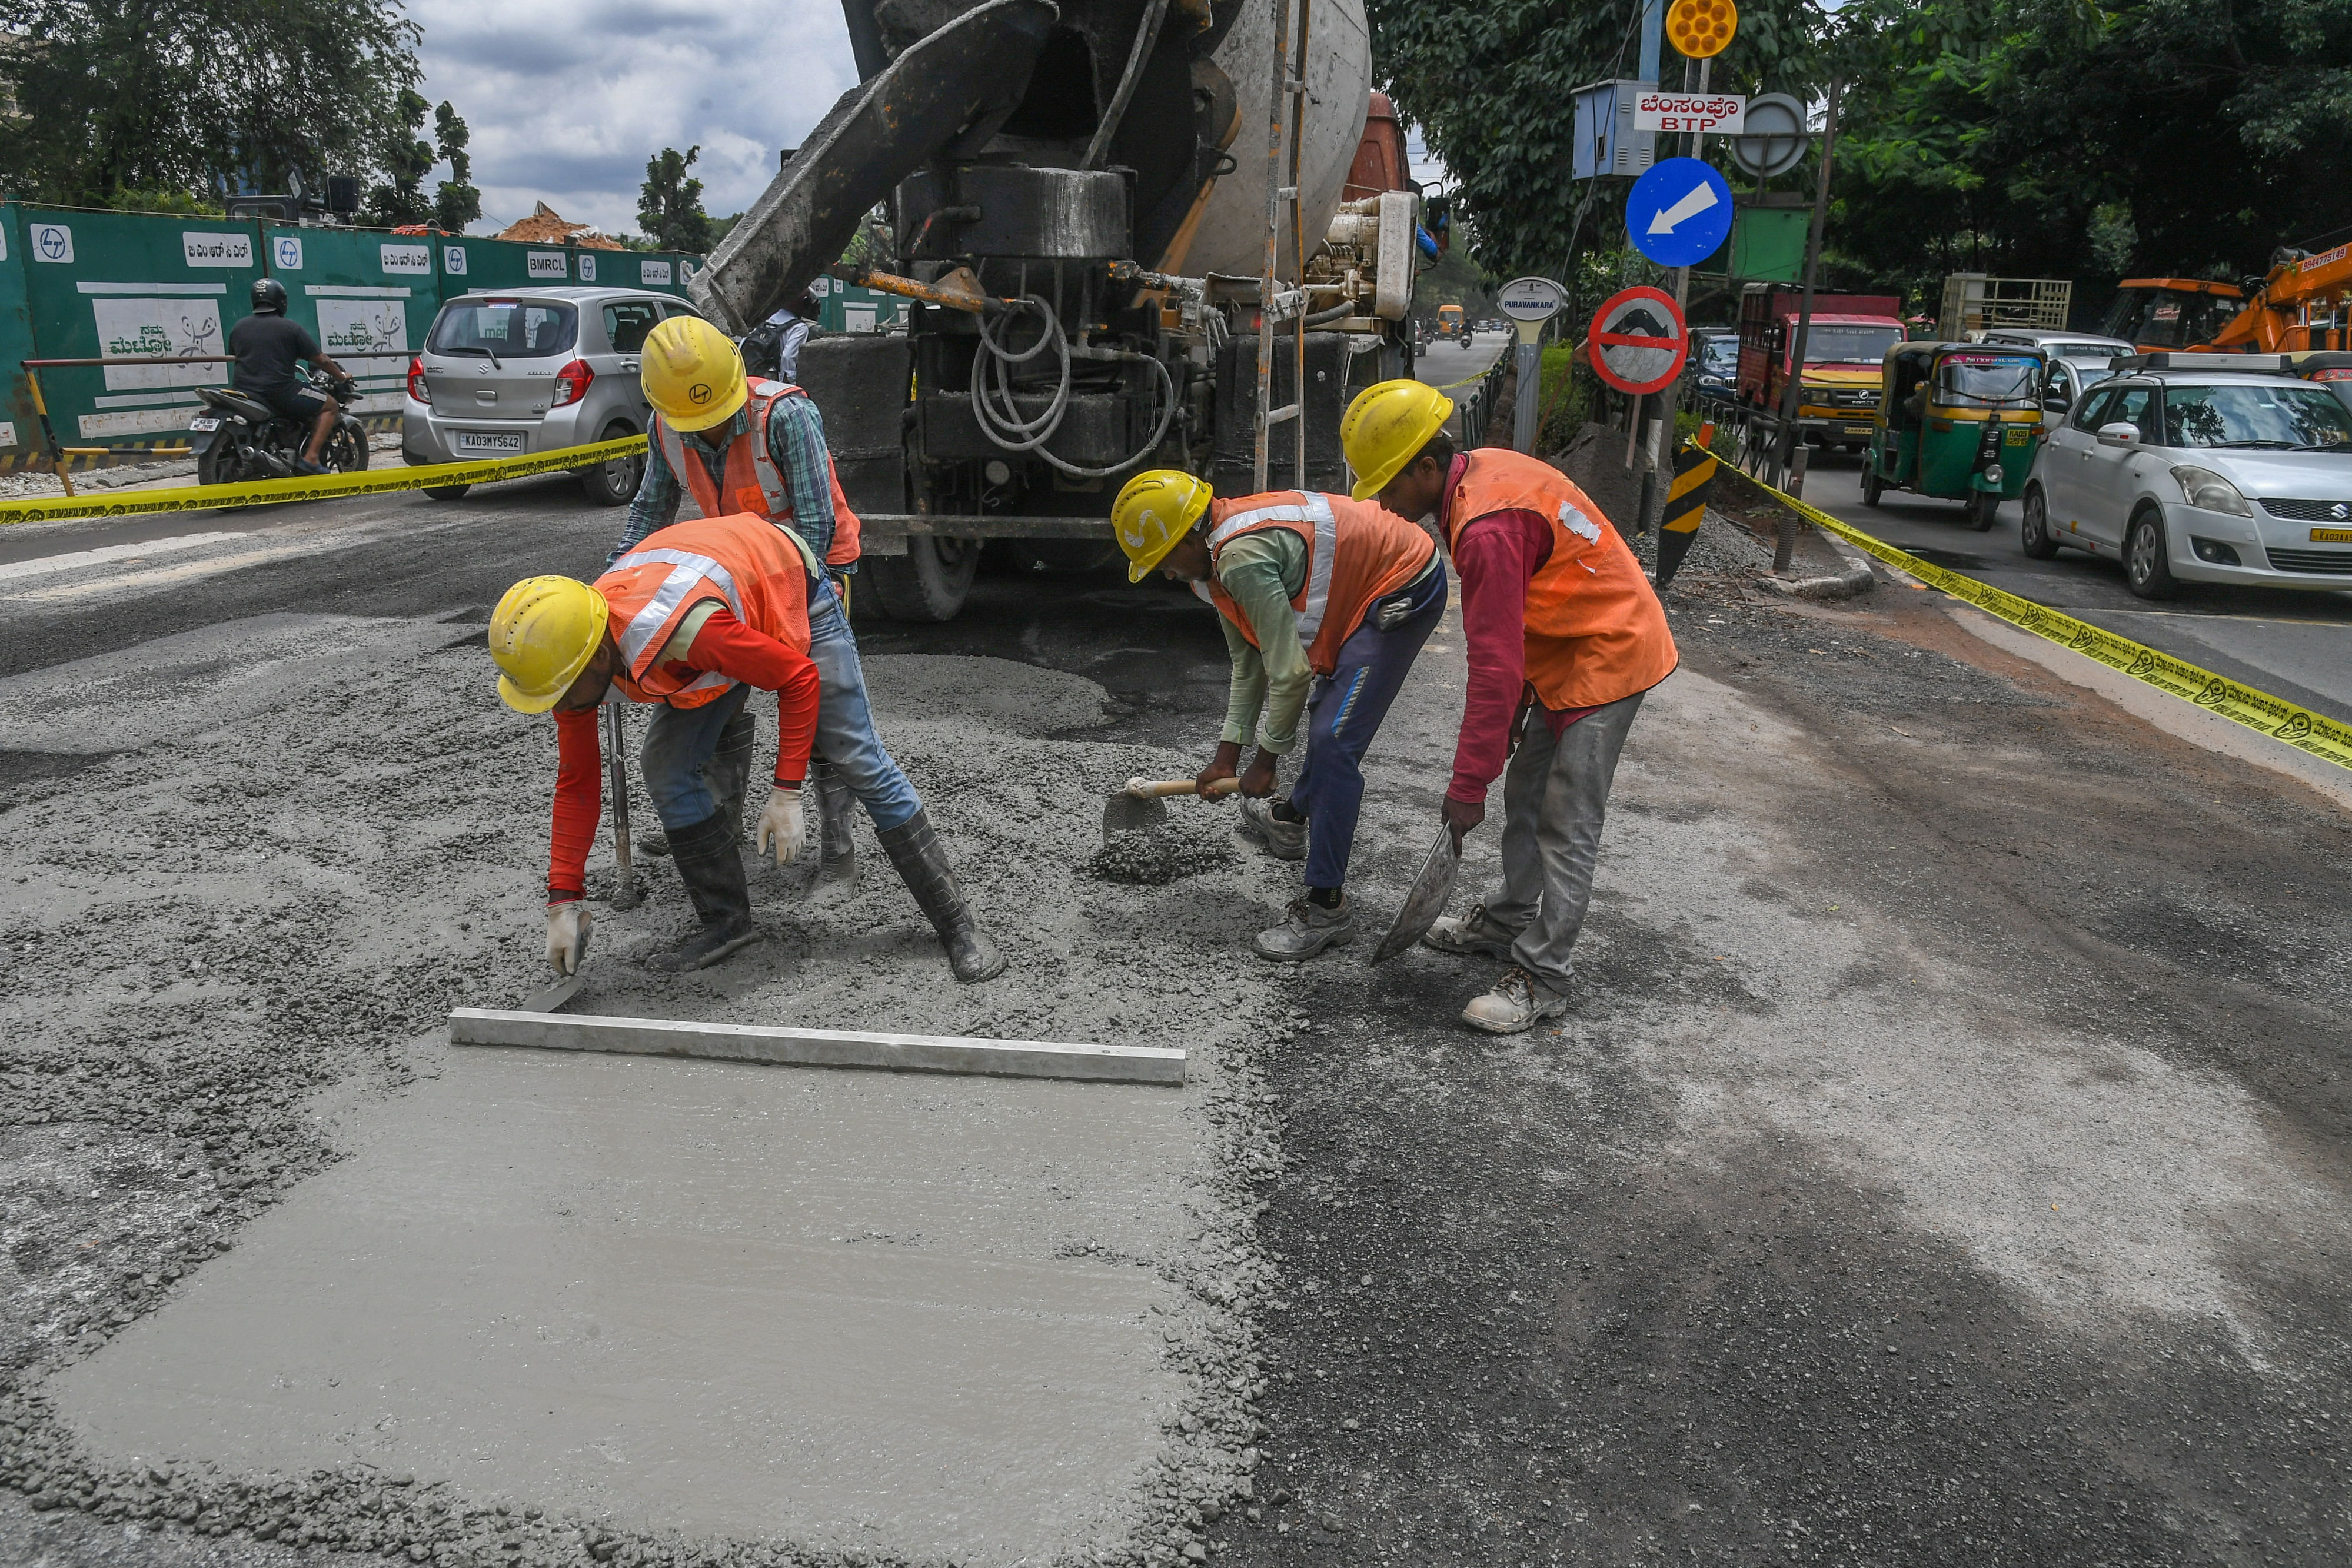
(1639, 341)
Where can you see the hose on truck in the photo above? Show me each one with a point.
(1004, 425)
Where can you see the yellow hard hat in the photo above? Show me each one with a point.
(1384, 428)
(1154, 511)
(543, 634)
(693, 373)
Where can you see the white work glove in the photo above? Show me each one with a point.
(568, 924)
(780, 820)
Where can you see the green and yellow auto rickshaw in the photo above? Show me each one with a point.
(1957, 422)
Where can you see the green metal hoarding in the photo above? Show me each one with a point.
(471, 265)
(132, 285)
(20, 428)
(847, 307)
(368, 297)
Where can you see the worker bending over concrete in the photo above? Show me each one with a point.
(757, 448)
(1324, 602)
(693, 619)
(1565, 635)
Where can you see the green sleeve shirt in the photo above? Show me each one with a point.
(1262, 571)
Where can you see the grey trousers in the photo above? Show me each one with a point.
(1555, 793)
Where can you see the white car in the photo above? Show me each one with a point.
(2189, 472)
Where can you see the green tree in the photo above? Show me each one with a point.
(669, 204)
(456, 203)
(406, 157)
(129, 100)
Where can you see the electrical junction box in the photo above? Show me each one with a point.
(1606, 142)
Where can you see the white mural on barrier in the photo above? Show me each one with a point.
(133, 328)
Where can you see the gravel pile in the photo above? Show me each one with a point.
(235, 901)
(1193, 841)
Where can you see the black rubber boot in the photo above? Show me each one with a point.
(710, 864)
(838, 863)
(922, 863)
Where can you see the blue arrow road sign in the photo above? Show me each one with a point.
(1679, 213)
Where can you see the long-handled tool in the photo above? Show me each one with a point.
(1427, 901)
(626, 893)
(1142, 802)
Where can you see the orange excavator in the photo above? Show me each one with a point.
(2305, 303)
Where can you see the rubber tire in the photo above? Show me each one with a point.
(2153, 579)
(1983, 510)
(211, 468)
(2033, 533)
(1873, 487)
(447, 492)
(602, 484)
(930, 582)
(352, 444)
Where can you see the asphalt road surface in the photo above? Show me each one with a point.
(2291, 643)
(1943, 1161)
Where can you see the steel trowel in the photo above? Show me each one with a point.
(1427, 900)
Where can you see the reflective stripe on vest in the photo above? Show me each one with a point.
(775, 496)
(1312, 509)
(688, 572)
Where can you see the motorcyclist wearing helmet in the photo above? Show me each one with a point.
(266, 346)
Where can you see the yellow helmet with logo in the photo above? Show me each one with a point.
(543, 634)
(1154, 511)
(1386, 426)
(693, 373)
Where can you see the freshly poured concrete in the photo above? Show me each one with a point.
(853, 1310)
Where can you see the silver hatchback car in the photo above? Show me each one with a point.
(512, 372)
(2200, 472)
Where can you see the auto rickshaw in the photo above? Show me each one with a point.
(1957, 422)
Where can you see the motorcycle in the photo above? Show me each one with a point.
(238, 437)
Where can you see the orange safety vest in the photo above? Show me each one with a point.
(745, 562)
(754, 483)
(1596, 631)
(1358, 552)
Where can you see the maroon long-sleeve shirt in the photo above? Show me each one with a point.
(1497, 556)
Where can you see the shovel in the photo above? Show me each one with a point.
(1142, 802)
(626, 893)
(1426, 902)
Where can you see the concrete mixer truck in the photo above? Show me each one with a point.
(1076, 200)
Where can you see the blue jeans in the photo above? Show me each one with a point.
(1343, 714)
(844, 724)
(680, 746)
(683, 741)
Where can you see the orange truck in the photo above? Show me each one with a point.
(2158, 313)
(1845, 354)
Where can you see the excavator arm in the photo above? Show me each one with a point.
(955, 85)
(2297, 300)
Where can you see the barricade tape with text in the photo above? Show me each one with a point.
(205, 497)
(2282, 720)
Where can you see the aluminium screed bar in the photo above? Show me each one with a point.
(820, 1047)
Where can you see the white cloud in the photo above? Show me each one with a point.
(566, 101)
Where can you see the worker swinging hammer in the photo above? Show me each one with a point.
(1324, 602)
(1564, 636)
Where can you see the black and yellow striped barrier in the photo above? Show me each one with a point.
(1694, 480)
(206, 498)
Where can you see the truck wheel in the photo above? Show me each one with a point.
(929, 582)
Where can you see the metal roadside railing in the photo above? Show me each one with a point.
(1474, 405)
(58, 454)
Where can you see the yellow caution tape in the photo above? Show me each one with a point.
(203, 498)
(2275, 717)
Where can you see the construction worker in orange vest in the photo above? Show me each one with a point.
(694, 617)
(736, 444)
(1564, 636)
(1324, 602)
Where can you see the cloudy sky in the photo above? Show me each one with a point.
(567, 100)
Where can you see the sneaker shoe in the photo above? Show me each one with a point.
(1516, 1005)
(1306, 929)
(1283, 841)
(303, 465)
(1474, 935)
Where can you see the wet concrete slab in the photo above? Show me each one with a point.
(847, 1309)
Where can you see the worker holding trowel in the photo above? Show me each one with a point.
(758, 447)
(1324, 602)
(1564, 636)
(694, 617)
